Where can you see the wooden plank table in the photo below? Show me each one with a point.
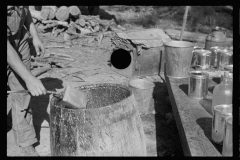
(193, 119)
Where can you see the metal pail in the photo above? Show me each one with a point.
(178, 56)
(220, 113)
(198, 84)
(142, 90)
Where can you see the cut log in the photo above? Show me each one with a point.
(36, 14)
(74, 11)
(62, 13)
(40, 71)
(45, 12)
(109, 126)
(52, 11)
(81, 22)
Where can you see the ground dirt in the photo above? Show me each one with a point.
(159, 125)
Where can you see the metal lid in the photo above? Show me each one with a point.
(199, 74)
(203, 52)
(225, 109)
(229, 68)
(179, 44)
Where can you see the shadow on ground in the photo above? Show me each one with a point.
(39, 105)
(167, 139)
(207, 130)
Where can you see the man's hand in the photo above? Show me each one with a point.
(37, 43)
(35, 86)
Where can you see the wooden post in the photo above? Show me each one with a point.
(184, 21)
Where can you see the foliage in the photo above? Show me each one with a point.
(206, 16)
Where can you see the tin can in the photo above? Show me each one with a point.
(214, 56)
(229, 68)
(224, 58)
(203, 58)
(227, 141)
(220, 112)
(230, 77)
(198, 84)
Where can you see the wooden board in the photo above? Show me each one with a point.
(189, 36)
(193, 118)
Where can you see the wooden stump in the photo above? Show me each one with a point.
(62, 13)
(109, 126)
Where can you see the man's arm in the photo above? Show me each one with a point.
(33, 84)
(30, 25)
(33, 31)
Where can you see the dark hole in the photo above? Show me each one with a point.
(121, 59)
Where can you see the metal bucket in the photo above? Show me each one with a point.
(203, 58)
(224, 58)
(142, 90)
(227, 141)
(220, 113)
(198, 84)
(178, 56)
(230, 77)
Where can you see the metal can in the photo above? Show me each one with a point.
(230, 77)
(203, 58)
(220, 112)
(227, 141)
(198, 84)
(224, 57)
(214, 56)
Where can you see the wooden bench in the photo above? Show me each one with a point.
(193, 119)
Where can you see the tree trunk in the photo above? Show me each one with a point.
(109, 126)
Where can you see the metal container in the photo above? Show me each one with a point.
(224, 57)
(198, 84)
(229, 68)
(143, 91)
(203, 58)
(214, 56)
(230, 77)
(216, 38)
(178, 56)
(220, 112)
(227, 141)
